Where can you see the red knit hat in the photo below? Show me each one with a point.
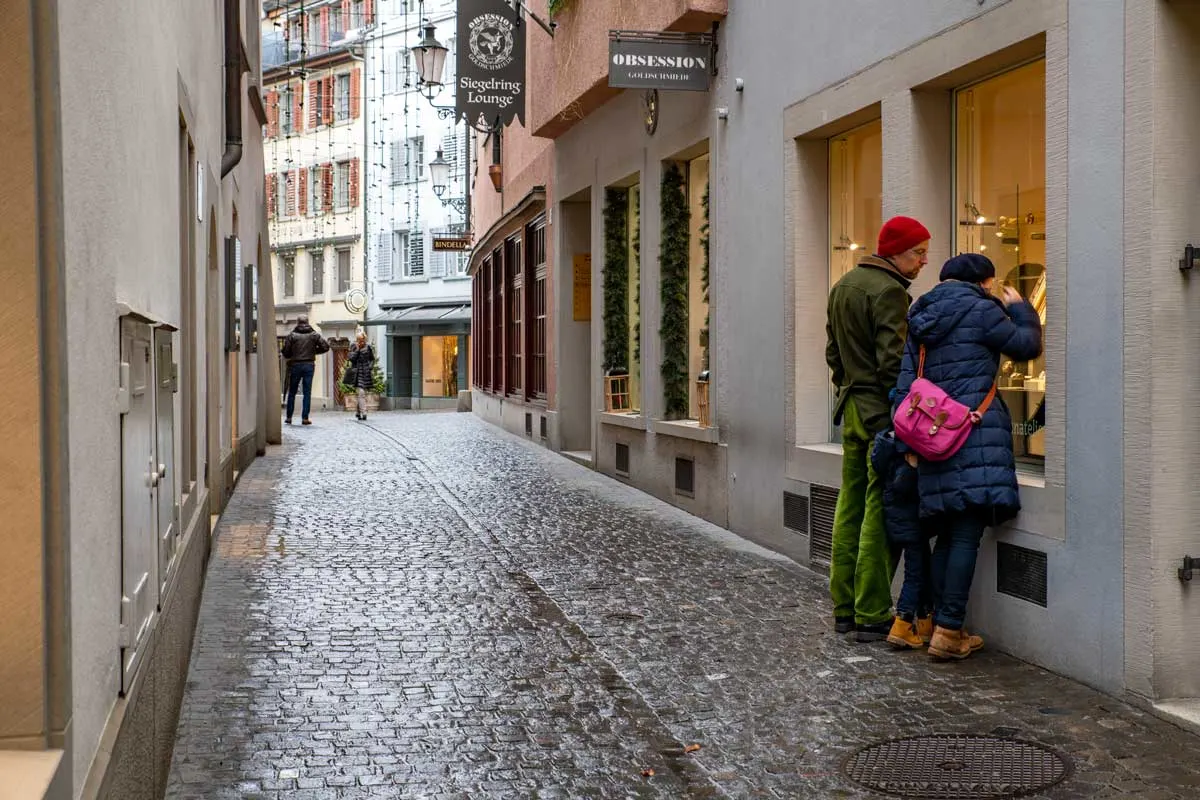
(899, 234)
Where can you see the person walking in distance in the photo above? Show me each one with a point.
(866, 330)
(301, 348)
(362, 364)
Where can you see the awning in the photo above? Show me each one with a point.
(422, 314)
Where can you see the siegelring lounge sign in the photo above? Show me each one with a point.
(670, 61)
(491, 63)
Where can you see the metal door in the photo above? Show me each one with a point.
(139, 474)
(164, 433)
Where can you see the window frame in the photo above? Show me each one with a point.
(341, 189)
(287, 263)
(346, 282)
(341, 97)
(315, 258)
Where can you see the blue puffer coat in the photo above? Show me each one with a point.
(965, 330)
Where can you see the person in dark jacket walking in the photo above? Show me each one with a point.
(866, 331)
(965, 329)
(301, 348)
(362, 361)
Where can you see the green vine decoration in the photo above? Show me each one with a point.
(705, 240)
(558, 5)
(616, 279)
(636, 266)
(673, 266)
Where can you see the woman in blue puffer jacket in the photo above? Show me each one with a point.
(965, 329)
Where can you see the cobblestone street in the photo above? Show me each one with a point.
(424, 606)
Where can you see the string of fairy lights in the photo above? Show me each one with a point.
(301, 219)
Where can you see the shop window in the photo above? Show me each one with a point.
(855, 196)
(439, 366)
(499, 379)
(537, 258)
(515, 288)
(1000, 209)
(855, 204)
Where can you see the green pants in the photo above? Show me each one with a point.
(860, 577)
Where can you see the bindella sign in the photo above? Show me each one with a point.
(451, 244)
(491, 63)
(673, 61)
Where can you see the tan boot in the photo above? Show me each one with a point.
(925, 628)
(951, 644)
(904, 635)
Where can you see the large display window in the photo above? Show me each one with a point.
(439, 366)
(698, 318)
(1000, 204)
(855, 196)
(634, 275)
(855, 205)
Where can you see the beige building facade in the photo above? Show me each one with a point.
(135, 232)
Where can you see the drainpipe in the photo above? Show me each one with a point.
(233, 88)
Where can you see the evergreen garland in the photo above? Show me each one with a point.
(556, 6)
(705, 240)
(636, 311)
(673, 266)
(616, 279)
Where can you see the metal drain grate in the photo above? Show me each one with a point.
(823, 508)
(957, 767)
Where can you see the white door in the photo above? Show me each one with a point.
(139, 474)
(167, 502)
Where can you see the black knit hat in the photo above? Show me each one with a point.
(969, 268)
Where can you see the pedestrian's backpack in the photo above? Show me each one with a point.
(931, 422)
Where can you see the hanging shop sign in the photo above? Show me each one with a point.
(643, 60)
(451, 244)
(491, 63)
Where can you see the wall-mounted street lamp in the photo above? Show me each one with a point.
(430, 55)
(439, 173)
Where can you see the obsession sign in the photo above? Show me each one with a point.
(682, 62)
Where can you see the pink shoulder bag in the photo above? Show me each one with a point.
(931, 422)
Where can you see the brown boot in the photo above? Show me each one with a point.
(904, 635)
(925, 628)
(951, 644)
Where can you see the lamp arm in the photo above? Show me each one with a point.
(520, 5)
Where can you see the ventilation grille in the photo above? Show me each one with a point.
(1021, 572)
(542, 426)
(795, 512)
(528, 424)
(622, 458)
(685, 477)
(820, 543)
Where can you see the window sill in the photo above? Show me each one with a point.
(457, 278)
(623, 420)
(28, 774)
(1025, 477)
(686, 429)
(409, 280)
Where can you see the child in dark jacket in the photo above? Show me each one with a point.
(913, 626)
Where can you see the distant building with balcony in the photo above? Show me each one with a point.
(314, 144)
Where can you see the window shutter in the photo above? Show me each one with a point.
(298, 108)
(272, 113)
(303, 192)
(347, 23)
(354, 183)
(327, 189)
(294, 198)
(313, 109)
(327, 101)
(383, 256)
(397, 166)
(325, 26)
(272, 179)
(355, 92)
(368, 11)
(416, 247)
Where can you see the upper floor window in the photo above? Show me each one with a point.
(316, 194)
(341, 94)
(286, 123)
(337, 30)
(343, 263)
(341, 186)
(357, 14)
(290, 193)
(287, 276)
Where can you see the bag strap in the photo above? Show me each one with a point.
(983, 407)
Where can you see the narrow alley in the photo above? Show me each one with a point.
(424, 606)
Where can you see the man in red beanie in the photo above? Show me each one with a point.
(867, 327)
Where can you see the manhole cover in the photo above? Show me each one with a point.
(956, 767)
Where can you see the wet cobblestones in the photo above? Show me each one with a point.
(423, 606)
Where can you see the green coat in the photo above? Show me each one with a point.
(866, 329)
